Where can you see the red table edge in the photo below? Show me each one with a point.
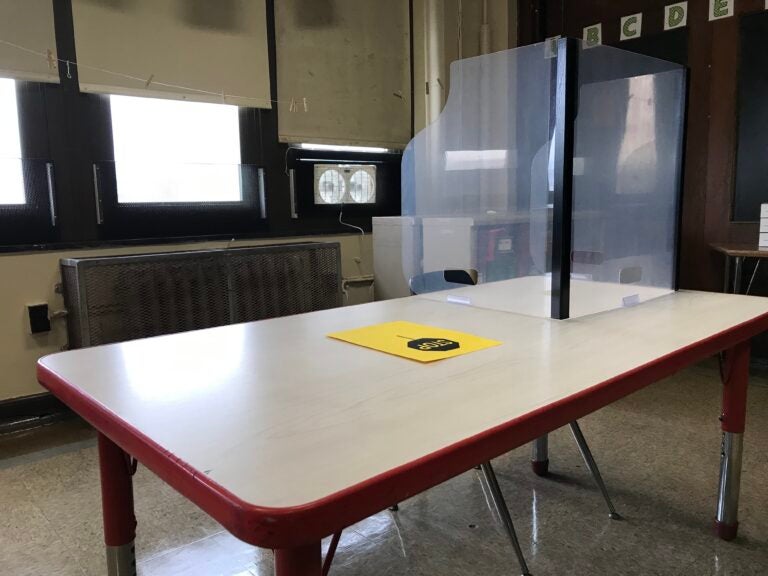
(299, 525)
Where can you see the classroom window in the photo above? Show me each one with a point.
(168, 151)
(11, 172)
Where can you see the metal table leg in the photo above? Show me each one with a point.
(589, 460)
(331, 553)
(540, 455)
(732, 419)
(503, 510)
(301, 561)
(117, 506)
(737, 269)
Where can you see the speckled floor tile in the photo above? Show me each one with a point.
(657, 449)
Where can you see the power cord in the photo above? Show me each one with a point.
(362, 232)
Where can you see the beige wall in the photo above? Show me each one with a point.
(27, 278)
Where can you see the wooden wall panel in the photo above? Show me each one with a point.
(713, 55)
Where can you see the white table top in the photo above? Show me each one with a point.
(280, 415)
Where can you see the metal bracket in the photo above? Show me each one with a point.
(292, 189)
(97, 195)
(331, 553)
(51, 191)
(132, 464)
(262, 194)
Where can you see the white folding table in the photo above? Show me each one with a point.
(286, 436)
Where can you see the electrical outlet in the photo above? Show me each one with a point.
(39, 322)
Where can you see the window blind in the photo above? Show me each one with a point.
(350, 60)
(182, 49)
(29, 26)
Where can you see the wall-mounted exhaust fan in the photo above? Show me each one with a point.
(345, 184)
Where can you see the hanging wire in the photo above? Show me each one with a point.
(146, 82)
(341, 211)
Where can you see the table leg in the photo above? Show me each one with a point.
(540, 455)
(506, 518)
(733, 416)
(301, 561)
(117, 508)
(737, 269)
(727, 275)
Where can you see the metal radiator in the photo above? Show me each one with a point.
(118, 298)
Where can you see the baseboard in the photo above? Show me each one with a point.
(759, 364)
(30, 411)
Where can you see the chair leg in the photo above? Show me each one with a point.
(586, 453)
(331, 553)
(501, 506)
(540, 455)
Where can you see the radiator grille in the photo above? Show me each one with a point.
(114, 299)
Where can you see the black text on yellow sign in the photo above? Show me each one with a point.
(415, 341)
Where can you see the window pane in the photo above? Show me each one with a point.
(11, 176)
(170, 151)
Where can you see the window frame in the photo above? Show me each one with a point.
(33, 222)
(72, 130)
(302, 162)
(166, 220)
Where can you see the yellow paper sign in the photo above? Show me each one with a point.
(415, 341)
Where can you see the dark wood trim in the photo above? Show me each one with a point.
(530, 22)
(694, 252)
(107, 244)
(723, 136)
(69, 118)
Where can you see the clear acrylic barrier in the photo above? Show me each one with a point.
(478, 182)
(627, 161)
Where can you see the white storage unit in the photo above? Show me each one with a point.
(763, 234)
(449, 243)
(394, 255)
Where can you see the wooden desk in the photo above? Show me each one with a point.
(286, 436)
(737, 253)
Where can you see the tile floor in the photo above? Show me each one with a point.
(658, 451)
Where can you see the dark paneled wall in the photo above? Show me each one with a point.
(751, 167)
(713, 58)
